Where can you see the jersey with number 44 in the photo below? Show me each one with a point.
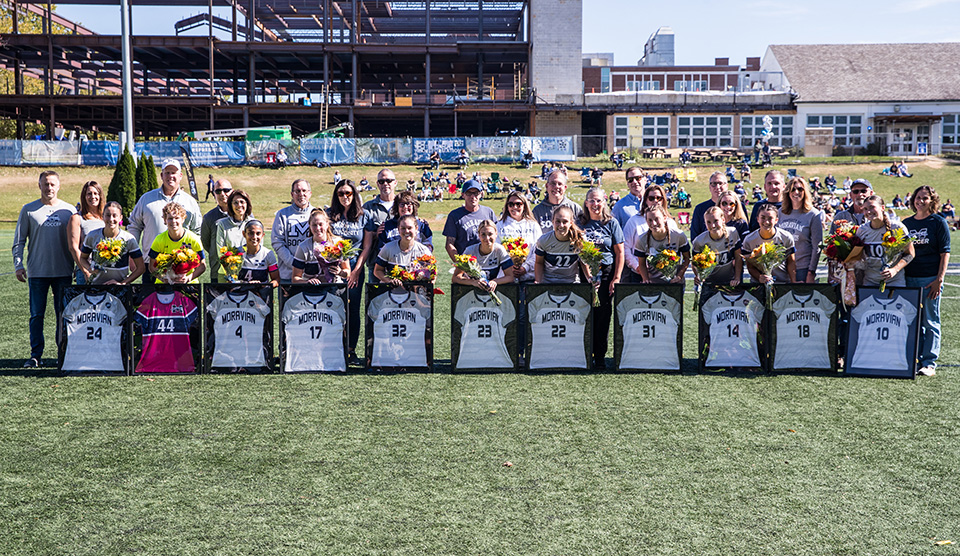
(399, 329)
(882, 338)
(238, 329)
(94, 325)
(313, 326)
(165, 320)
(733, 321)
(649, 327)
(558, 324)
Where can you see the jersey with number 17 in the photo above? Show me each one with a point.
(313, 326)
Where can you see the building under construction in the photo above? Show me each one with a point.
(418, 68)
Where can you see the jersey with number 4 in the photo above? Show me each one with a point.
(94, 326)
(165, 320)
(649, 327)
(733, 321)
(483, 331)
(399, 329)
(558, 324)
(313, 325)
(803, 330)
(238, 329)
(882, 339)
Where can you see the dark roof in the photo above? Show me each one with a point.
(871, 72)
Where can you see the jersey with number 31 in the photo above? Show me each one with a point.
(649, 326)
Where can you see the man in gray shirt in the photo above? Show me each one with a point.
(43, 224)
(208, 228)
(556, 196)
(291, 226)
(146, 219)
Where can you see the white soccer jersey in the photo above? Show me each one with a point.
(803, 331)
(732, 321)
(313, 325)
(94, 325)
(238, 329)
(650, 326)
(399, 329)
(882, 338)
(558, 324)
(483, 331)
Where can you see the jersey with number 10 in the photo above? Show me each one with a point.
(165, 320)
(93, 333)
(313, 325)
(399, 329)
(803, 330)
(238, 329)
(733, 321)
(558, 324)
(884, 325)
(649, 327)
(483, 331)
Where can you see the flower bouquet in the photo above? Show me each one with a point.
(591, 256)
(766, 257)
(704, 263)
(666, 262)
(231, 259)
(894, 243)
(173, 268)
(843, 247)
(517, 248)
(336, 251)
(105, 255)
(468, 265)
(423, 268)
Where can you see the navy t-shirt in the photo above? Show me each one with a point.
(605, 235)
(462, 226)
(931, 237)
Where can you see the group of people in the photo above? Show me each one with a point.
(60, 239)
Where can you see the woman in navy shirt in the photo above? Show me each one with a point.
(347, 220)
(601, 228)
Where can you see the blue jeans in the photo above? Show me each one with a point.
(929, 348)
(38, 308)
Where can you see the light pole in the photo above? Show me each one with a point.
(127, 78)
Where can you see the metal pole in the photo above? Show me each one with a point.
(127, 73)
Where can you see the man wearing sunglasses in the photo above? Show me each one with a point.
(377, 211)
(859, 191)
(291, 226)
(718, 186)
(629, 206)
(208, 227)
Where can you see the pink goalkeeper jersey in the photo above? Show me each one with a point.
(165, 320)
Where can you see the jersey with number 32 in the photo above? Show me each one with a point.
(399, 329)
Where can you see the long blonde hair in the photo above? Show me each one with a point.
(787, 206)
(723, 217)
(575, 236)
(738, 212)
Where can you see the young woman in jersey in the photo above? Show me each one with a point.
(259, 263)
(931, 242)
(875, 224)
(401, 252)
(805, 224)
(657, 238)
(175, 236)
(733, 213)
(229, 231)
(130, 265)
(492, 258)
(653, 196)
(725, 241)
(557, 251)
(307, 268)
(767, 217)
(600, 227)
(89, 218)
(347, 220)
(517, 221)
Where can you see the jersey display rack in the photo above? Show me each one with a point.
(730, 328)
(239, 327)
(559, 333)
(483, 333)
(648, 327)
(167, 330)
(884, 332)
(313, 328)
(97, 335)
(803, 327)
(399, 326)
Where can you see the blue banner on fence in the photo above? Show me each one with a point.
(50, 153)
(328, 149)
(217, 153)
(448, 147)
(11, 152)
(384, 150)
(159, 150)
(100, 153)
(494, 149)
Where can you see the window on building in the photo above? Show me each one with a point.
(847, 129)
(643, 85)
(950, 127)
(621, 125)
(656, 131)
(692, 86)
(604, 80)
(751, 129)
(705, 131)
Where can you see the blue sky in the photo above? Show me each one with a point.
(704, 30)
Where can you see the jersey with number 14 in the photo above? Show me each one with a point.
(238, 329)
(882, 337)
(93, 333)
(803, 329)
(399, 329)
(313, 326)
(483, 331)
(558, 324)
(733, 321)
(649, 327)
